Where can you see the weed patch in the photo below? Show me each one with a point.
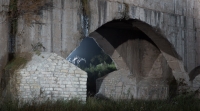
(179, 103)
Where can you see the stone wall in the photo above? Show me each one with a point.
(59, 29)
(48, 76)
(177, 20)
(4, 35)
(174, 22)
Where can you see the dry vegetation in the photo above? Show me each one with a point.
(30, 10)
(180, 103)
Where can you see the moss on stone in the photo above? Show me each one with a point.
(16, 63)
(9, 80)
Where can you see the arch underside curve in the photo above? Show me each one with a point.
(127, 77)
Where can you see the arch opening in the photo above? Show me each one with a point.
(92, 59)
(146, 61)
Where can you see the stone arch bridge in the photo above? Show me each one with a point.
(150, 41)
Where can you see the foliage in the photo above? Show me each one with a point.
(95, 72)
(101, 58)
(101, 69)
(99, 66)
(179, 103)
(28, 9)
(16, 63)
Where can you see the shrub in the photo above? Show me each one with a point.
(95, 72)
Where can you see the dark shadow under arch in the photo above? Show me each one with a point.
(133, 25)
(146, 61)
(109, 38)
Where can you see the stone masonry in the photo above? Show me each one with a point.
(49, 76)
(172, 25)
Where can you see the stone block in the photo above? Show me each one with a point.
(75, 83)
(71, 71)
(82, 86)
(26, 87)
(82, 93)
(57, 89)
(75, 79)
(30, 82)
(61, 86)
(55, 93)
(45, 85)
(83, 79)
(66, 82)
(78, 75)
(78, 72)
(72, 89)
(79, 90)
(65, 71)
(84, 76)
(25, 74)
(84, 89)
(82, 83)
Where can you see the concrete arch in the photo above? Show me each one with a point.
(155, 35)
(166, 48)
(157, 59)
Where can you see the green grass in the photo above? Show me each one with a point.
(179, 103)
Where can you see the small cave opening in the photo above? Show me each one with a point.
(89, 57)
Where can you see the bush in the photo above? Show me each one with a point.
(95, 72)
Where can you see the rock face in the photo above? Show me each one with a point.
(48, 76)
(171, 26)
(4, 35)
(62, 27)
(194, 78)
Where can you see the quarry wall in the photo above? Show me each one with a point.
(66, 24)
(4, 35)
(60, 29)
